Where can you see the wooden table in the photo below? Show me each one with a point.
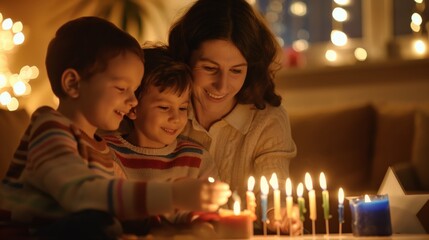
(347, 236)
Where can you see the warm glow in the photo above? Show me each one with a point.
(273, 181)
(418, 1)
(17, 27)
(341, 196)
(300, 190)
(416, 19)
(360, 54)
(414, 27)
(211, 179)
(300, 45)
(367, 199)
(338, 38)
(331, 55)
(250, 183)
(7, 24)
(18, 38)
(298, 8)
(342, 2)
(308, 182)
(19, 88)
(237, 208)
(288, 187)
(419, 47)
(339, 14)
(3, 80)
(13, 104)
(5, 98)
(322, 181)
(264, 186)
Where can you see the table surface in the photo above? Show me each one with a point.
(305, 237)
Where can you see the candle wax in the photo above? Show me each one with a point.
(302, 210)
(264, 207)
(231, 226)
(277, 215)
(325, 203)
(340, 213)
(251, 201)
(312, 203)
(371, 218)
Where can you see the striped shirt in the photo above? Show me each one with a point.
(180, 159)
(58, 169)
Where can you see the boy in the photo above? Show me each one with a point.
(62, 172)
(152, 150)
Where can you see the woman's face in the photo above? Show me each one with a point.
(219, 70)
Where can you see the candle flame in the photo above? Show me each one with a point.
(237, 208)
(273, 181)
(341, 196)
(308, 182)
(300, 189)
(210, 179)
(264, 186)
(367, 199)
(322, 181)
(250, 183)
(288, 187)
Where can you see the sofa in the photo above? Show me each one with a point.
(352, 144)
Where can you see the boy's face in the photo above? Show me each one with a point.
(107, 96)
(160, 117)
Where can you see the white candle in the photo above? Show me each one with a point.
(289, 199)
(340, 209)
(250, 196)
(311, 196)
(275, 185)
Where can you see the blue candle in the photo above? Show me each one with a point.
(371, 216)
(264, 196)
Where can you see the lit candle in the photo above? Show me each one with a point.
(325, 200)
(340, 209)
(250, 196)
(289, 202)
(211, 179)
(235, 224)
(311, 200)
(275, 185)
(371, 216)
(264, 196)
(301, 204)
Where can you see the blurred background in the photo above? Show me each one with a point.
(358, 50)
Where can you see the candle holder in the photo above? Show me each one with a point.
(370, 215)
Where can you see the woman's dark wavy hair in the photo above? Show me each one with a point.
(238, 22)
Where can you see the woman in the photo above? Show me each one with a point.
(235, 113)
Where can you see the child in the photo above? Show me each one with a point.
(152, 150)
(62, 173)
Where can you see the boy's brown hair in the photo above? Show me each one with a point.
(86, 45)
(163, 72)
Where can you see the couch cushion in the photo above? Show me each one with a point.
(393, 140)
(336, 141)
(420, 150)
(12, 127)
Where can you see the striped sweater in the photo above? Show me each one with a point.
(178, 160)
(58, 169)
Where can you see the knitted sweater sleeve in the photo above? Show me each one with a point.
(56, 169)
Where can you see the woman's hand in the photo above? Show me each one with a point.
(295, 223)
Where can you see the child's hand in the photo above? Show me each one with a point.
(199, 195)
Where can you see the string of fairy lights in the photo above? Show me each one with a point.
(416, 26)
(13, 86)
